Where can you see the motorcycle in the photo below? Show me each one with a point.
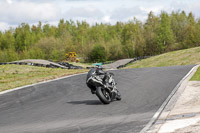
(103, 85)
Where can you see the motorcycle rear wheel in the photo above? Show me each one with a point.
(103, 95)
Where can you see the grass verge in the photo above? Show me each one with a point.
(196, 76)
(182, 57)
(12, 76)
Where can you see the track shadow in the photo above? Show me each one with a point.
(87, 102)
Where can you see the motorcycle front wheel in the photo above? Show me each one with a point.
(103, 95)
(118, 96)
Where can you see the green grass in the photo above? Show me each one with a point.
(196, 76)
(181, 57)
(12, 76)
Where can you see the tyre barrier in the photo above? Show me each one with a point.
(109, 62)
(89, 67)
(64, 64)
(70, 66)
(134, 60)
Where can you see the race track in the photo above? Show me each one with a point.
(67, 106)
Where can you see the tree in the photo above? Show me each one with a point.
(132, 39)
(23, 39)
(179, 21)
(47, 46)
(98, 54)
(158, 34)
(114, 50)
(198, 33)
(165, 34)
(62, 29)
(127, 40)
(37, 32)
(7, 40)
(49, 31)
(1, 38)
(190, 34)
(150, 34)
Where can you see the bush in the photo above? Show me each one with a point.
(46, 45)
(98, 54)
(8, 55)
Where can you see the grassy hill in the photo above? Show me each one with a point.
(180, 57)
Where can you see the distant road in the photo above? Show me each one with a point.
(67, 106)
(117, 64)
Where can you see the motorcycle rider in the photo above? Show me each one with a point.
(98, 70)
(102, 84)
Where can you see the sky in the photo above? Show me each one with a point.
(15, 12)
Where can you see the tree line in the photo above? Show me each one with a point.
(101, 42)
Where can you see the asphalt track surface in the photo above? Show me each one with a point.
(117, 64)
(67, 106)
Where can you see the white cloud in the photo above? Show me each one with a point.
(187, 6)
(3, 26)
(18, 12)
(14, 12)
(192, 7)
(106, 19)
(6, 26)
(83, 12)
(9, 1)
(154, 9)
(195, 9)
(124, 14)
